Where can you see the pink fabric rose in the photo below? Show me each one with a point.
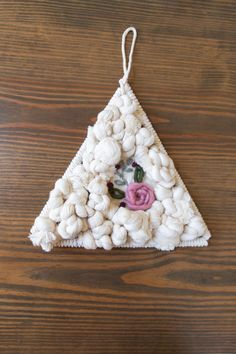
(139, 196)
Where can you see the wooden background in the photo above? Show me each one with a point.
(60, 62)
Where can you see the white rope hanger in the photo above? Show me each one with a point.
(127, 68)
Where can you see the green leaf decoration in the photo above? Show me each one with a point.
(129, 161)
(120, 183)
(119, 174)
(138, 174)
(116, 193)
(128, 169)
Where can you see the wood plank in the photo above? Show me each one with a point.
(60, 61)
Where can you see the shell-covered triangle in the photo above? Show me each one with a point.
(120, 190)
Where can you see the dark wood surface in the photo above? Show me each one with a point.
(60, 62)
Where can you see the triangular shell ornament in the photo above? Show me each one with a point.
(121, 189)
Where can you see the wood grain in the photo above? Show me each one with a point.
(60, 62)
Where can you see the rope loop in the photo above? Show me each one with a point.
(127, 68)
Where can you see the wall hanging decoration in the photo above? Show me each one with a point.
(121, 189)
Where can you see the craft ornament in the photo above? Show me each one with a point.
(121, 189)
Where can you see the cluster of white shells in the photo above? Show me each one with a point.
(80, 207)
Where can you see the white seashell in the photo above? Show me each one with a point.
(83, 195)
(167, 243)
(45, 239)
(67, 210)
(79, 170)
(63, 185)
(119, 235)
(191, 231)
(174, 224)
(70, 228)
(98, 202)
(128, 142)
(121, 216)
(134, 224)
(74, 229)
(90, 211)
(142, 158)
(87, 159)
(80, 197)
(71, 220)
(165, 174)
(55, 193)
(98, 186)
(44, 224)
(178, 193)
(128, 106)
(166, 184)
(102, 129)
(162, 193)
(119, 136)
(165, 160)
(74, 198)
(167, 238)
(97, 166)
(106, 115)
(144, 137)
(194, 229)
(61, 229)
(197, 224)
(98, 243)
(110, 113)
(155, 218)
(108, 151)
(184, 212)
(88, 241)
(54, 214)
(106, 242)
(103, 204)
(81, 210)
(154, 173)
(77, 182)
(188, 236)
(95, 220)
(187, 197)
(55, 202)
(169, 205)
(166, 231)
(140, 237)
(138, 227)
(118, 126)
(117, 101)
(108, 174)
(154, 156)
(111, 210)
(80, 177)
(104, 229)
(158, 206)
(128, 154)
(132, 124)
